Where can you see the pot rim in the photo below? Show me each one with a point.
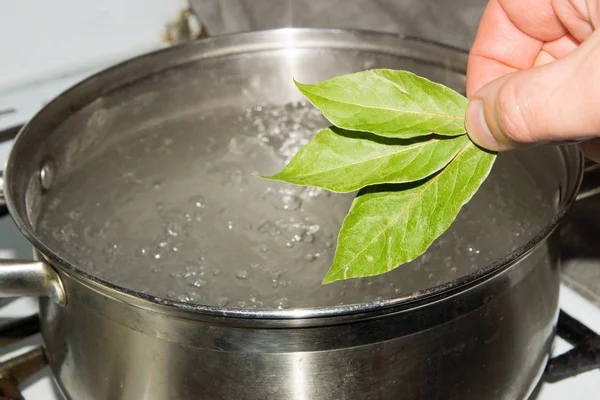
(164, 305)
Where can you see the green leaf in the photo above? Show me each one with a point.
(389, 103)
(344, 161)
(387, 227)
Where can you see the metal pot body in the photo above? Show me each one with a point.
(490, 341)
(485, 336)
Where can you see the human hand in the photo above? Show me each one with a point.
(534, 75)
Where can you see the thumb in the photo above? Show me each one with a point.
(553, 102)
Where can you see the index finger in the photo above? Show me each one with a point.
(510, 37)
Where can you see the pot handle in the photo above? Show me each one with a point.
(30, 278)
(3, 208)
(27, 277)
(584, 357)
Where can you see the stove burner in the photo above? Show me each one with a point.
(17, 330)
(9, 133)
(16, 370)
(584, 357)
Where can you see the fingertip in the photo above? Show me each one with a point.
(477, 126)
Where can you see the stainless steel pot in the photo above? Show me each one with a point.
(485, 335)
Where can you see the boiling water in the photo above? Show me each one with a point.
(175, 212)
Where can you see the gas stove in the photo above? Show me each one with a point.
(23, 370)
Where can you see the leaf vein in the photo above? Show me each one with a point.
(447, 116)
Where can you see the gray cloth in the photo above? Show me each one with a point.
(453, 22)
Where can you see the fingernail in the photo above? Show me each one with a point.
(477, 127)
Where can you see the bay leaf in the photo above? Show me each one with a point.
(391, 225)
(345, 161)
(388, 103)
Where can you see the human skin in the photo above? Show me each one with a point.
(534, 75)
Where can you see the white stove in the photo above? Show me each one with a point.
(136, 27)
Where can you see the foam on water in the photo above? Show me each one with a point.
(176, 212)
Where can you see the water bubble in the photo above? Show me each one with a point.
(310, 257)
(157, 184)
(223, 301)
(473, 250)
(74, 214)
(285, 283)
(176, 217)
(255, 301)
(262, 248)
(199, 283)
(92, 232)
(190, 273)
(282, 303)
(243, 274)
(172, 230)
(289, 244)
(270, 228)
(229, 225)
(185, 298)
(291, 202)
(111, 248)
(312, 228)
(216, 272)
(198, 201)
(176, 274)
(308, 238)
(275, 279)
(188, 217)
(286, 200)
(313, 192)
